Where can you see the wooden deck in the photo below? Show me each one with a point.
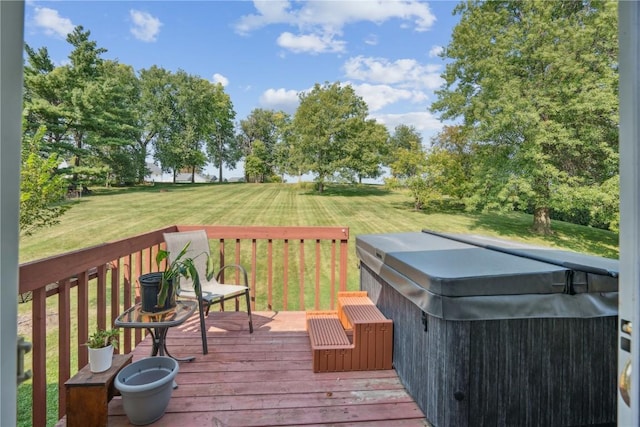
(266, 379)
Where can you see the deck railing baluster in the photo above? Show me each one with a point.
(269, 274)
(301, 275)
(83, 317)
(317, 282)
(102, 296)
(64, 340)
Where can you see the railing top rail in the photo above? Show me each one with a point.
(39, 273)
(270, 232)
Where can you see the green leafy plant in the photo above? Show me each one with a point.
(180, 266)
(103, 337)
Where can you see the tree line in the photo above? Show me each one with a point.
(529, 100)
(531, 93)
(106, 119)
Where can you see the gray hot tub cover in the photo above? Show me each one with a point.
(464, 277)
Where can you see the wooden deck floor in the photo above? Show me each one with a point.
(266, 379)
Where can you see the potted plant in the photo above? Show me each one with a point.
(159, 289)
(101, 344)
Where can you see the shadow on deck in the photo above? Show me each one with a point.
(266, 379)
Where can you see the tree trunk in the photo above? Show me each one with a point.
(220, 172)
(541, 221)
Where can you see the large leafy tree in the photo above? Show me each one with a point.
(449, 163)
(535, 86)
(365, 151)
(152, 112)
(192, 114)
(181, 140)
(112, 143)
(221, 143)
(327, 117)
(268, 127)
(86, 106)
(406, 155)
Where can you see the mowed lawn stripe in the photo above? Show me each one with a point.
(113, 214)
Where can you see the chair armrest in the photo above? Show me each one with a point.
(237, 267)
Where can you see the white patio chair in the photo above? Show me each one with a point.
(212, 291)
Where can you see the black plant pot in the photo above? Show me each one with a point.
(150, 285)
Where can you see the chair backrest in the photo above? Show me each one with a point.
(197, 249)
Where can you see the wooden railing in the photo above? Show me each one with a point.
(289, 268)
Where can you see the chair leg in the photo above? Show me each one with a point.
(203, 330)
(249, 310)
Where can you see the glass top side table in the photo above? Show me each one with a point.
(158, 324)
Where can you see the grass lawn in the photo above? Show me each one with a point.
(112, 214)
(117, 213)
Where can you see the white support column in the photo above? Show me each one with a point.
(629, 307)
(11, 46)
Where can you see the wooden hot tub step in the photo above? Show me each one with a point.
(356, 337)
(330, 345)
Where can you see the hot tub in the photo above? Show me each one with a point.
(493, 332)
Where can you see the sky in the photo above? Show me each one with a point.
(265, 53)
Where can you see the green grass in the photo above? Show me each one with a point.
(112, 214)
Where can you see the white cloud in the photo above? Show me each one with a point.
(334, 14)
(379, 96)
(435, 51)
(280, 99)
(326, 19)
(311, 43)
(145, 26)
(406, 72)
(52, 23)
(219, 78)
(423, 121)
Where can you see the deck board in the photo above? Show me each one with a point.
(266, 379)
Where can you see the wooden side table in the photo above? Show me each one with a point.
(88, 394)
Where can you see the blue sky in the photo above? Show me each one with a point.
(267, 52)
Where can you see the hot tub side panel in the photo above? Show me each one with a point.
(526, 372)
(432, 363)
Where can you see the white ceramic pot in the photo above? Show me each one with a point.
(100, 358)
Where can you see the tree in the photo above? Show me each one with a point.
(86, 106)
(152, 112)
(448, 163)
(406, 156)
(221, 142)
(112, 143)
(46, 91)
(268, 127)
(255, 168)
(41, 189)
(324, 122)
(535, 84)
(365, 150)
(82, 103)
(180, 142)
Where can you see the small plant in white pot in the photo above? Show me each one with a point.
(101, 344)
